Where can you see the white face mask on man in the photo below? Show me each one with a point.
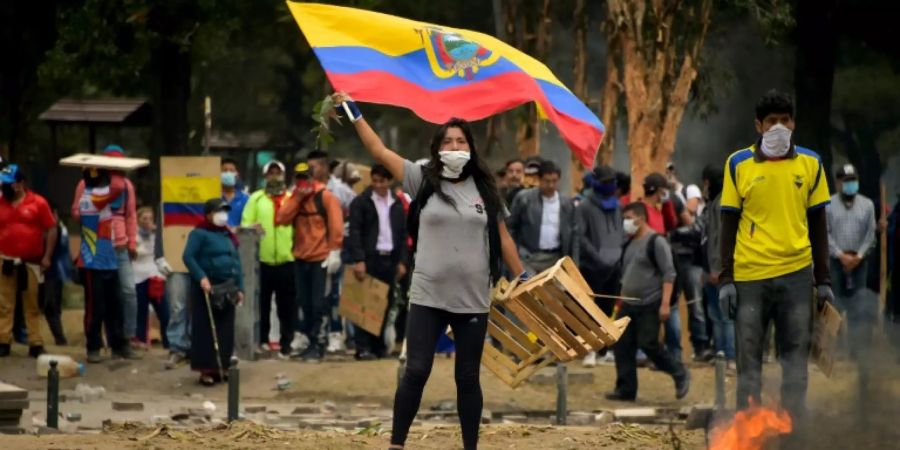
(220, 218)
(776, 141)
(630, 227)
(454, 161)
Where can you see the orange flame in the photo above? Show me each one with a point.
(751, 429)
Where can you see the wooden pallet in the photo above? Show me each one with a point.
(559, 322)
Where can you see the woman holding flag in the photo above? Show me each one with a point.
(456, 201)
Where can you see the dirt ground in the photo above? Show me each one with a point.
(841, 409)
(244, 436)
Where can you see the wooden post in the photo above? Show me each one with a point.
(882, 280)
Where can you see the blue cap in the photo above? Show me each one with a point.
(10, 174)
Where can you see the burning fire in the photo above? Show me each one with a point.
(751, 429)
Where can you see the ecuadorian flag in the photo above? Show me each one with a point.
(439, 72)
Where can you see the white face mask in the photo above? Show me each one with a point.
(220, 219)
(776, 141)
(454, 161)
(630, 227)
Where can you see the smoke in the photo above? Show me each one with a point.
(860, 405)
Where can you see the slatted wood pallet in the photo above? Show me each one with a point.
(556, 319)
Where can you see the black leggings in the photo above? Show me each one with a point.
(425, 327)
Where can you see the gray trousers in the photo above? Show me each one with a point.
(788, 301)
(538, 262)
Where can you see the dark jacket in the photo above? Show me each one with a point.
(363, 230)
(601, 236)
(524, 222)
(211, 254)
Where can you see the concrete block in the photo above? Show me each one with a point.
(699, 417)
(515, 418)
(73, 417)
(372, 421)
(307, 408)
(127, 406)
(604, 418)
(486, 416)
(636, 415)
(580, 418)
(547, 376)
(254, 409)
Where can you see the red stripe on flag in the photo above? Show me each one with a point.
(474, 101)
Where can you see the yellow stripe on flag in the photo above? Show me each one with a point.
(190, 189)
(336, 26)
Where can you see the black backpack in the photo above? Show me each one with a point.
(651, 253)
(320, 209)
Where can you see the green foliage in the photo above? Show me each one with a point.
(775, 17)
(323, 114)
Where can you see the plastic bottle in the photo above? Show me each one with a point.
(66, 366)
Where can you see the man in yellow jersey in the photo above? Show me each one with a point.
(774, 251)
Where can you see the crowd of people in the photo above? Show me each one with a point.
(755, 242)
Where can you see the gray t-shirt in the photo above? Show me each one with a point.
(641, 279)
(451, 267)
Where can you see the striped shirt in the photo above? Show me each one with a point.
(850, 228)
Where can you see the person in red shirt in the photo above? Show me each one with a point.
(27, 240)
(661, 215)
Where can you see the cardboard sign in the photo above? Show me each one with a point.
(824, 341)
(186, 183)
(364, 303)
(103, 162)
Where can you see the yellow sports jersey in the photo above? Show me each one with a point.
(773, 198)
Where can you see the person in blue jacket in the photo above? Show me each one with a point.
(211, 257)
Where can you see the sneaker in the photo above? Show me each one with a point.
(313, 353)
(137, 344)
(36, 350)
(4, 350)
(94, 357)
(282, 356)
(263, 348)
(300, 342)
(174, 360)
(731, 366)
(335, 342)
(608, 359)
(365, 356)
(128, 353)
(618, 396)
(705, 355)
(590, 360)
(683, 385)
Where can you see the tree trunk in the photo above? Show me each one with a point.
(579, 70)
(814, 76)
(657, 74)
(609, 106)
(170, 109)
(528, 135)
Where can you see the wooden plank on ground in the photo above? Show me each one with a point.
(6, 405)
(11, 392)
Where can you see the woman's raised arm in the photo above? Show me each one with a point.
(373, 144)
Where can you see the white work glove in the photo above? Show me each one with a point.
(163, 266)
(333, 262)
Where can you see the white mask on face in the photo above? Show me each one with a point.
(454, 161)
(776, 141)
(220, 219)
(630, 227)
